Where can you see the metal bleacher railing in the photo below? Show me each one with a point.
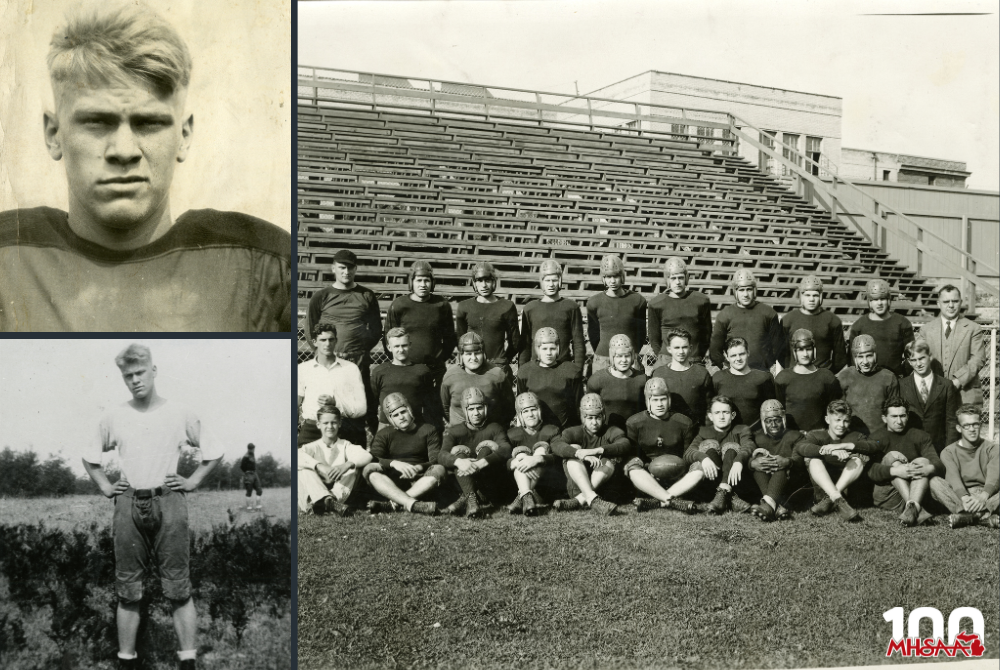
(717, 132)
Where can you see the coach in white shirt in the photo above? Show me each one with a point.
(328, 377)
(957, 344)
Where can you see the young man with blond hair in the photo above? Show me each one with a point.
(150, 521)
(117, 260)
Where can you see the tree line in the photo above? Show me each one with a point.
(23, 474)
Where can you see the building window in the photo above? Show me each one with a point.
(790, 145)
(679, 129)
(705, 132)
(765, 162)
(813, 152)
(885, 175)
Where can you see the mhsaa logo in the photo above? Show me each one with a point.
(960, 644)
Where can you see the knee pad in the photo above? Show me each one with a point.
(634, 464)
(729, 446)
(436, 471)
(485, 448)
(520, 450)
(893, 457)
(461, 451)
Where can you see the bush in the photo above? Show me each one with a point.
(57, 600)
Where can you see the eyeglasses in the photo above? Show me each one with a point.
(967, 426)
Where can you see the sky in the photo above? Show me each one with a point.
(923, 85)
(240, 96)
(53, 392)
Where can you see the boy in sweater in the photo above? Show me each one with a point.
(555, 312)
(805, 390)
(690, 385)
(329, 467)
(972, 474)
(826, 327)
(839, 450)
(493, 318)
(890, 331)
(428, 321)
(660, 437)
(614, 311)
(405, 465)
(772, 461)
(532, 452)
(475, 371)
(401, 375)
(721, 450)
(558, 385)
(620, 386)
(590, 453)
(475, 452)
(746, 387)
(903, 476)
(681, 308)
(867, 385)
(754, 321)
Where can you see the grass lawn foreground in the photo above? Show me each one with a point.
(656, 590)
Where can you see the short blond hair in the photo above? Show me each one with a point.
(134, 354)
(119, 44)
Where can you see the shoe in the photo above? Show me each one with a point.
(994, 521)
(457, 507)
(763, 511)
(846, 512)
(338, 508)
(128, 663)
(738, 504)
(909, 516)
(824, 506)
(646, 504)
(602, 506)
(428, 508)
(681, 505)
(924, 517)
(517, 506)
(319, 507)
(249, 509)
(782, 513)
(380, 507)
(187, 664)
(567, 505)
(472, 507)
(720, 502)
(528, 504)
(963, 519)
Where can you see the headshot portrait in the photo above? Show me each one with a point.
(144, 178)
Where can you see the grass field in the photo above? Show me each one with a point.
(266, 639)
(205, 509)
(657, 590)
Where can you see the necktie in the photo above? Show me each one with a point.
(947, 330)
(924, 391)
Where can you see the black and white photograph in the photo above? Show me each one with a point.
(145, 153)
(145, 500)
(647, 335)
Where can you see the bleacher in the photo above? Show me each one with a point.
(394, 186)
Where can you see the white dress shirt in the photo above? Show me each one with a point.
(341, 380)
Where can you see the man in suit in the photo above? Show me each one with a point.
(933, 399)
(957, 345)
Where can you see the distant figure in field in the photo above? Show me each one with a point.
(150, 521)
(248, 465)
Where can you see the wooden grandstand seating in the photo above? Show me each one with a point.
(394, 185)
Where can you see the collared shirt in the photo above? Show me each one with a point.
(342, 381)
(338, 453)
(945, 322)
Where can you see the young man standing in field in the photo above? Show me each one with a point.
(690, 385)
(329, 467)
(826, 327)
(933, 400)
(972, 474)
(889, 331)
(554, 313)
(150, 517)
(590, 453)
(679, 307)
(401, 375)
(248, 466)
(838, 448)
(903, 477)
(754, 321)
(493, 318)
(746, 387)
(660, 438)
(614, 311)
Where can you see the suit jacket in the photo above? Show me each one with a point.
(960, 357)
(936, 417)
